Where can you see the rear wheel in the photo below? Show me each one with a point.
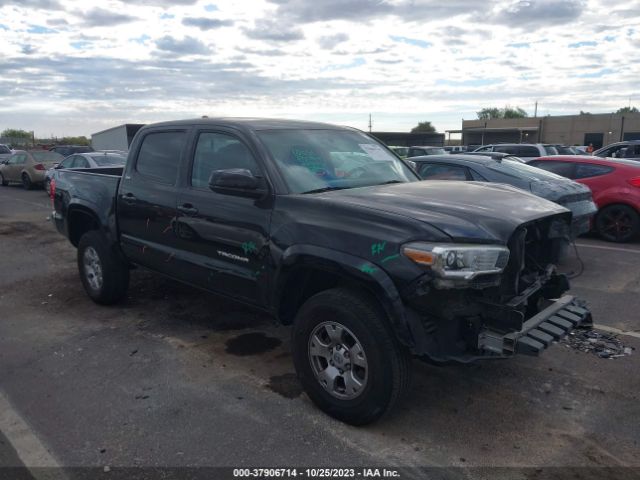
(26, 182)
(3, 181)
(348, 358)
(618, 223)
(104, 275)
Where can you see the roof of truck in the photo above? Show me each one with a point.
(251, 123)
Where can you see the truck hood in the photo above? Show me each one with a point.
(466, 211)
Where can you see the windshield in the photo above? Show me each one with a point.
(550, 150)
(316, 160)
(523, 171)
(104, 160)
(562, 150)
(45, 156)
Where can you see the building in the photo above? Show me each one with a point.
(407, 139)
(116, 138)
(584, 129)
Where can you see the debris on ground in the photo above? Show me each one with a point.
(602, 344)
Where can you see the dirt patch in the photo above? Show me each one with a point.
(286, 385)
(251, 344)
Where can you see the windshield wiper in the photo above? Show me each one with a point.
(390, 182)
(325, 189)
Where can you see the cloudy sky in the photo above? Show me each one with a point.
(77, 67)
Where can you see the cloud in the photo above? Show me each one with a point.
(411, 41)
(583, 44)
(204, 23)
(272, 30)
(330, 41)
(535, 14)
(99, 17)
(36, 4)
(186, 46)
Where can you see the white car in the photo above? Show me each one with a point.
(101, 158)
(525, 151)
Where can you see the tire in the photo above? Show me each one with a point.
(3, 181)
(26, 182)
(618, 223)
(104, 275)
(381, 382)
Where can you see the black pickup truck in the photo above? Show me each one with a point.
(326, 229)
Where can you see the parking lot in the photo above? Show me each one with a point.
(177, 377)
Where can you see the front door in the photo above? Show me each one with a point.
(224, 238)
(13, 170)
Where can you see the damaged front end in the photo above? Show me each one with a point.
(493, 302)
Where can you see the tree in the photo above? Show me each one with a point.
(624, 110)
(584, 113)
(506, 112)
(423, 127)
(74, 141)
(14, 133)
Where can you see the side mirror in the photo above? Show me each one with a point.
(235, 181)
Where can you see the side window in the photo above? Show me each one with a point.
(435, 171)
(159, 156)
(80, 162)
(12, 160)
(219, 151)
(18, 159)
(476, 177)
(526, 151)
(505, 149)
(586, 170)
(68, 162)
(485, 149)
(565, 169)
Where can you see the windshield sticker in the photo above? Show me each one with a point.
(374, 151)
(308, 158)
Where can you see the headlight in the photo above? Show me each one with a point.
(458, 261)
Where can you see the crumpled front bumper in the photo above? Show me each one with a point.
(540, 331)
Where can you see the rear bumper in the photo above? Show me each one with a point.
(540, 331)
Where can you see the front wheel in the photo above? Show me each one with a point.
(104, 275)
(618, 223)
(26, 182)
(348, 358)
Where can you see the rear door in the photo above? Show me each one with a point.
(223, 238)
(146, 199)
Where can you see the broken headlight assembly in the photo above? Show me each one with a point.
(461, 262)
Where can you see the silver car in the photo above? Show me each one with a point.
(102, 158)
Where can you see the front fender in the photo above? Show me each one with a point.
(356, 269)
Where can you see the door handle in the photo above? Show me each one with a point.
(129, 198)
(188, 209)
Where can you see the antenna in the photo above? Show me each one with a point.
(369, 123)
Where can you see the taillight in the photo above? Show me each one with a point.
(38, 166)
(634, 182)
(52, 188)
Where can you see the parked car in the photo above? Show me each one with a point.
(567, 150)
(103, 158)
(66, 150)
(368, 264)
(629, 149)
(28, 167)
(615, 185)
(455, 149)
(525, 151)
(419, 151)
(565, 192)
(5, 152)
(496, 156)
(402, 152)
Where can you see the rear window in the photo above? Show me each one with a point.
(160, 155)
(564, 169)
(104, 160)
(551, 150)
(522, 170)
(46, 156)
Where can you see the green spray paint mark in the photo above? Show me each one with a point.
(368, 269)
(378, 248)
(249, 247)
(390, 257)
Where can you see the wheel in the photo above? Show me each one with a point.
(347, 357)
(26, 182)
(618, 223)
(104, 275)
(47, 186)
(3, 181)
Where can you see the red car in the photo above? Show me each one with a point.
(615, 184)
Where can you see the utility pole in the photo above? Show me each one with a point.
(535, 112)
(369, 123)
